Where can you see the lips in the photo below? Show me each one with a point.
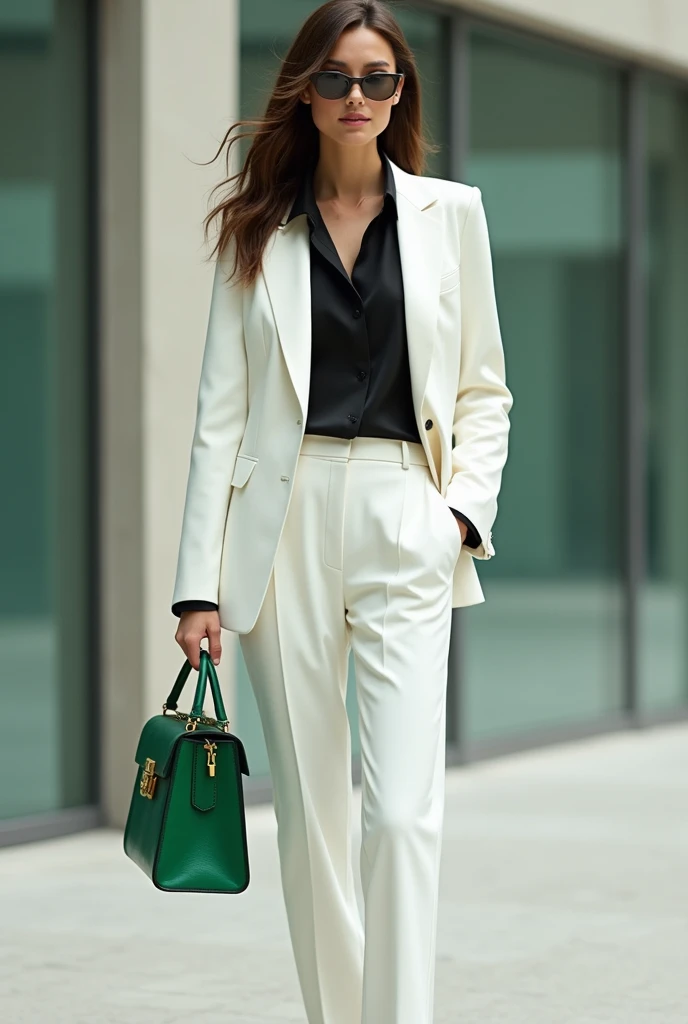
(355, 120)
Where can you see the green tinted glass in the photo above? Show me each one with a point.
(546, 149)
(45, 618)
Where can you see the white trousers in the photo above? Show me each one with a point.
(365, 562)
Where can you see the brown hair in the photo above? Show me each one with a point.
(285, 140)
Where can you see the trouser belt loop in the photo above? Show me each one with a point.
(404, 455)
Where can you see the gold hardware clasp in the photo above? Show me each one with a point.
(148, 779)
(211, 748)
(221, 723)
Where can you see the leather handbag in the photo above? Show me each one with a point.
(186, 827)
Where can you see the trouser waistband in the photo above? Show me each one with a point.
(384, 449)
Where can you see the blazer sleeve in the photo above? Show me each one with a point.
(483, 401)
(221, 413)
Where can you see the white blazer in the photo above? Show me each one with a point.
(253, 395)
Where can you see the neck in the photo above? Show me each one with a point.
(348, 174)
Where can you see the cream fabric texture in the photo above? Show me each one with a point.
(365, 564)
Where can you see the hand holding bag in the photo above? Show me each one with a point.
(186, 827)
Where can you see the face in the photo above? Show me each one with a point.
(359, 51)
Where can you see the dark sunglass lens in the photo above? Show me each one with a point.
(379, 87)
(331, 85)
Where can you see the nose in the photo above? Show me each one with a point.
(355, 90)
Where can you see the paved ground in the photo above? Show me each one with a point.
(564, 900)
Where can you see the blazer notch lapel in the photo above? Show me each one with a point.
(420, 248)
(286, 271)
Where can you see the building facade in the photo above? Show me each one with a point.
(574, 123)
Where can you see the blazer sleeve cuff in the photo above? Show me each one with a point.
(193, 606)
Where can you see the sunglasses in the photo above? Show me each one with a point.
(334, 85)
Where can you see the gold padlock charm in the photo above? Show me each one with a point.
(211, 748)
(148, 779)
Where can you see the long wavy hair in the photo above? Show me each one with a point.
(286, 141)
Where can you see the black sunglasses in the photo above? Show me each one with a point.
(334, 85)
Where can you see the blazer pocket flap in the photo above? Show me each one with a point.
(245, 464)
(449, 280)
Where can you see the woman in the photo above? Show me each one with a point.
(350, 438)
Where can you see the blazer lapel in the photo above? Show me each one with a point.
(287, 274)
(286, 270)
(420, 229)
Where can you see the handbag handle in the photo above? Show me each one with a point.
(206, 669)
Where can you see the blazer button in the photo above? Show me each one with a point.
(357, 313)
(428, 424)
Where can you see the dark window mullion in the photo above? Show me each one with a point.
(635, 405)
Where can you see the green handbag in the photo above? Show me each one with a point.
(186, 827)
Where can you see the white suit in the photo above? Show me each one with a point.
(253, 395)
(315, 547)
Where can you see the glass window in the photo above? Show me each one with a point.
(267, 30)
(45, 632)
(664, 598)
(546, 150)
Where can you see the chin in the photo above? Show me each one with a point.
(355, 136)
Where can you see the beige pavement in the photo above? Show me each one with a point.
(564, 900)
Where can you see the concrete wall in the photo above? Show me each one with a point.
(653, 32)
(168, 94)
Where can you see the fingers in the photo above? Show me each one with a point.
(215, 645)
(192, 629)
(190, 643)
